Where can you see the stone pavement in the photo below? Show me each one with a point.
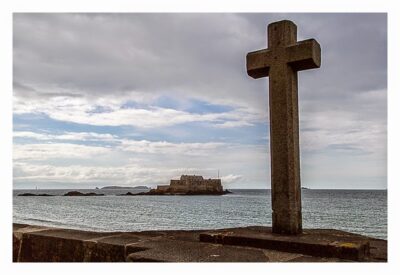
(45, 244)
(314, 242)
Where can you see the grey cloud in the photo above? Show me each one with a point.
(201, 55)
(350, 147)
(104, 54)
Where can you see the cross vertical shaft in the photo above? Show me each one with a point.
(284, 148)
(281, 61)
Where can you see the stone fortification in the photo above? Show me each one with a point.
(193, 184)
(190, 185)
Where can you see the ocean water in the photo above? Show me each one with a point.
(357, 211)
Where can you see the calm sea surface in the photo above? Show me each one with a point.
(358, 211)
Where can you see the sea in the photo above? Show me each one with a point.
(358, 211)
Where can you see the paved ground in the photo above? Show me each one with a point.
(249, 244)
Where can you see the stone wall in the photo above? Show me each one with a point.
(191, 178)
(162, 187)
(249, 244)
(194, 184)
(179, 186)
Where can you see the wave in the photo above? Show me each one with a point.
(41, 221)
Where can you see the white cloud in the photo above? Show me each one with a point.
(233, 124)
(35, 152)
(126, 175)
(27, 134)
(55, 149)
(129, 162)
(163, 147)
(73, 173)
(231, 178)
(73, 136)
(83, 111)
(340, 127)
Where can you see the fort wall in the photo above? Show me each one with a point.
(191, 183)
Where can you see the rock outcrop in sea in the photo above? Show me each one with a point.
(76, 193)
(34, 195)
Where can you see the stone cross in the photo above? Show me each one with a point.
(281, 62)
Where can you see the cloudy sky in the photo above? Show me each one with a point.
(137, 99)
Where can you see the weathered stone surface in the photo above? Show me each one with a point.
(314, 242)
(41, 244)
(16, 247)
(280, 62)
(44, 244)
(167, 250)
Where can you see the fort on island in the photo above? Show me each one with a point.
(190, 185)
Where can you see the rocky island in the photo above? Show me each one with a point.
(187, 185)
(76, 193)
(68, 194)
(34, 195)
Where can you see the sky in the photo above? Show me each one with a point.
(138, 99)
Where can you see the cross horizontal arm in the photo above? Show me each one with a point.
(258, 63)
(304, 55)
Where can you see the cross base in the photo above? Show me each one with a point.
(287, 223)
(314, 242)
